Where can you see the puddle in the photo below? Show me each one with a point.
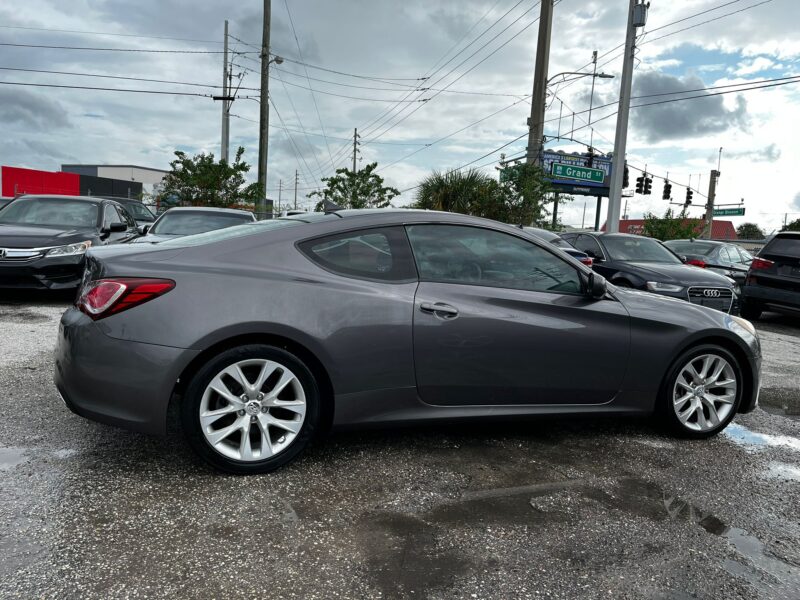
(11, 457)
(747, 545)
(753, 440)
(782, 471)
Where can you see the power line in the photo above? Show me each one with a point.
(103, 76)
(108, 33)
(103, 89)
(93, 48)
(313, 96)
(313, 90)
(297, 153)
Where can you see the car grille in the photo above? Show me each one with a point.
(717, 298)
(19, 255)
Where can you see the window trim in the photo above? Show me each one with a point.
(537, 243)
(603, 255)
(304, 248)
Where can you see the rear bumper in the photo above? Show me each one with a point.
(118, 382)
(43, 274)
(774, 298)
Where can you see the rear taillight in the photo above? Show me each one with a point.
(761, 263)
(587, 260)
(105, 297)
(696, 262)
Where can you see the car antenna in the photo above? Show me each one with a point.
(330, 208)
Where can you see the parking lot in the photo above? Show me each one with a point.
(540, 509)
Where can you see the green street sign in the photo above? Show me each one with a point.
(562, 171)
(729, 212)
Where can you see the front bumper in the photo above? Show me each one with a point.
(58, 273)
(118, 382)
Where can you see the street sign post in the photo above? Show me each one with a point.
(729, 212)
(561, 170)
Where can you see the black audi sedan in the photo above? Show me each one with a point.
(634, 261)
(43, 239)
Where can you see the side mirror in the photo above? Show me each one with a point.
(683, 259)
(114, 228)
(596, 287)
(143, 229)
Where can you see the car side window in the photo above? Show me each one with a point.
(589, 245)
(477, 256)
(110, 215)
(126, 217)
(377, 253)
(746, 257)
(724, 256)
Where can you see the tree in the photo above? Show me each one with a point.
(362, 189)
(750, 231)
(671, 226)
(520, 199)
(793, 226)
(202, 181)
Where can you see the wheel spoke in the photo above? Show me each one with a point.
(713, 417)
(708, 361)
(267, 369)
(681, 400)
(724, 398)
(725, 383)
(215, 437)
(685, 414)
(286, 425)
(721, 364)
(245, 449)
(210, 416)
(218, 385)
(696, 378)
(286, 378)
(266, 441)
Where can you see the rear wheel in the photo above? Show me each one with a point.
(750, 311)
(701, 392)
(251, 409)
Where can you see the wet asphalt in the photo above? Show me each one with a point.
(543, 509)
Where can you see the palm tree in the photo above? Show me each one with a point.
(455, 191)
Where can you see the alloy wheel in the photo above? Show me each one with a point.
(252, 410)
(705, 392)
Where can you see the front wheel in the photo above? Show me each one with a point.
(251, 409)
(702, 392)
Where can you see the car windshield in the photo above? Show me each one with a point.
(696, 248)
(50, 212)
(192, 222)
(637, 249)
(784, 246)
(230, 232)
(139, 211)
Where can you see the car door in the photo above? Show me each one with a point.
(127, 217)
(111, 221)
(501, 320)
(589, 245)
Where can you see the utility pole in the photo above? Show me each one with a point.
(280, 190)
(538, 101)
(597, 213)
(712, 191)
(295, 189)
(583, 220)
(263, 137)
(225, 105)
(594, 78)
(355, 148)
(555, 210)
(637, 17)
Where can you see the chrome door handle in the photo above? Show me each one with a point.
(439, 308)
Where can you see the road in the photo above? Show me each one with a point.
(542, 509)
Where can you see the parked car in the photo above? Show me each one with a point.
(773, 281)
(189, 220)
(43, 239)
(265, 335)
(137, 209)
(643, 263)
(559, 242)
(721, 257)
(4, 202)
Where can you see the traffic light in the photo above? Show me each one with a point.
(590, 159)
(648, 186)
(689, 194)
(640, 184)
(667, 193)
(626, 182)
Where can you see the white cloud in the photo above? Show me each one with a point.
(760, 63)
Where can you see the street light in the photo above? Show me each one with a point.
(582, 74)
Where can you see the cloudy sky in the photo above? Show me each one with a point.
(478, 56)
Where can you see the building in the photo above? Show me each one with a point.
(149, 178)
(16, 181)
(720, 230)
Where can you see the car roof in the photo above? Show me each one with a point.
(208, 209)
(698, 241)
(94, 199)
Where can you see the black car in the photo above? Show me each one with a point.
(189, 220)
(559, 242)
(141, 214)
(773, 281)
(633, 261)
(721, 257)
(43, 239)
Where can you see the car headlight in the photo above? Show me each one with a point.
(738, 322)
(70, 249)
(658, 286)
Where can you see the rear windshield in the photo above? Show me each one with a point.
(784, 246)
(50, 212)
(190, 222)
(139, 211)
(696, 248)
(230, 232)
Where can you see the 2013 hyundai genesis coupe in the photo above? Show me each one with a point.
(264, 335)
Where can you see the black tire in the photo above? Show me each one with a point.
(665, 410)
(190, 409)
(750, 311)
